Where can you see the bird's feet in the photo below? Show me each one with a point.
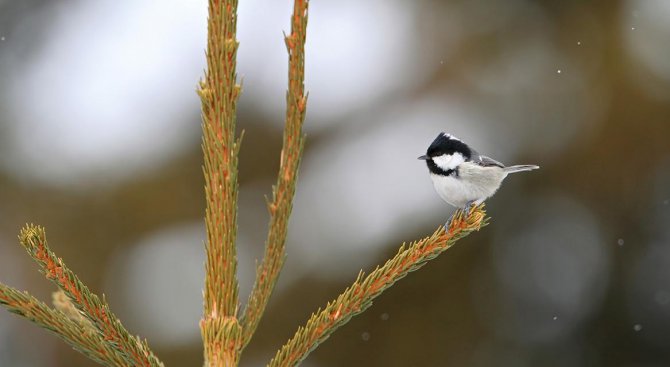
(465, 212)
(466, 209)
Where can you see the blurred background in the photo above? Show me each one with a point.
(100, 143)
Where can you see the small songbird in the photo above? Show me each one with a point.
(462, 176)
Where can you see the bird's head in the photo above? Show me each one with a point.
(446, 153)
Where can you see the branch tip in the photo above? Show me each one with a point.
(359, 296)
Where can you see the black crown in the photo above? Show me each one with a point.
(446, 144)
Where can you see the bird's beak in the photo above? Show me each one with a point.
(423, 158)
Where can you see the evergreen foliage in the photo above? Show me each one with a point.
(85, 321)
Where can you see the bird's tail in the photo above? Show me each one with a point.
(520, 168)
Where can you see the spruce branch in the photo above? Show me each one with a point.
(283, 192)
(134, 350)
(80, 337)
(64, 304)
(219, 92)
(359, 296)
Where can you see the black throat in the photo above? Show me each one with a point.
(435, 169)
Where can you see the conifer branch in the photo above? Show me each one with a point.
(64, 304)
(359, 296)
(79, 336)
(134, 350)
(219, 92)
(283, 192)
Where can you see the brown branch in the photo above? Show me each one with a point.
(359, 296)
(219, 93)
(33, 238)
(283, 192)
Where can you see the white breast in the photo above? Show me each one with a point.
(474, 183)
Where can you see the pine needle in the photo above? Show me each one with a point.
(359, 296)
(97, 311)
(78, 335)
(283, 192)
(219, 92)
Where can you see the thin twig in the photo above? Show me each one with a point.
(283, 192)
(33, 238)
(359, 296)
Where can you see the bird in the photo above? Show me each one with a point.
(463, 177)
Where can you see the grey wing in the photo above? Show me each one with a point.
(485, 161)
(488, 162)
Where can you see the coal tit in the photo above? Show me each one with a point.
(462, 176)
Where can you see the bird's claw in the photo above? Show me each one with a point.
(466, 209)
(461, 213)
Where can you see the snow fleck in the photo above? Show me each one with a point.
(620, 242)
(665, 202)
(365, 336)
(632, 28)
(555, 318)
(384, 316)
(2, 38)
(558, 71)
(441, 62)
(637, 327)
(579, 43)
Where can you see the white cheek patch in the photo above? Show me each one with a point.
(449, 161)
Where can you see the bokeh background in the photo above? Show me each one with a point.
(100, 143)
